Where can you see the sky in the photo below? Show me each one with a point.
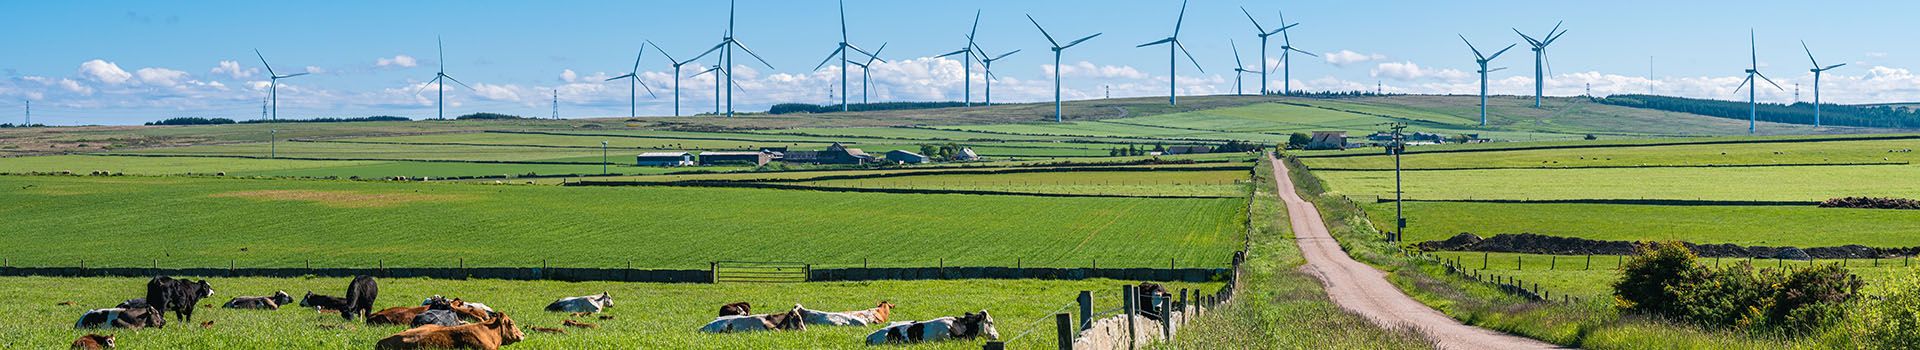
(127, 62)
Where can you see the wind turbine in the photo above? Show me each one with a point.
(842, 52)
(988, 62)
(865, 70)
(1286, 57)
(966, 64)
(273, 83)
(676, 74)
(1817, 69)
(729, 42)
(1173, 61)
(715, 70)
(1482, 60)
(1263, 46)
(1540, 62)
(1057, 48)
(440, 80)
(1753, 104)
(633, 78)
(1240, 69)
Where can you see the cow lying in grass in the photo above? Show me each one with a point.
(874, 316)
(736, 309)
(791, 320)
(323, 302)
(93, 342)
(970, 326)
(398, 315)
(497, 331)
(587, 304)
(469, 311)
(272, 302)
(129, 318)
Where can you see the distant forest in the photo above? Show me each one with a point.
(1797, 113)
(786, 108)
(219, 121)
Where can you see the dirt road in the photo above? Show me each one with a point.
(1364, 290)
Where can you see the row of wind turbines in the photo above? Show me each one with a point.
(972, 53)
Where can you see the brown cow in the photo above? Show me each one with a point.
(499, 330)
(94, 342)
(740, 308)
(399, 315)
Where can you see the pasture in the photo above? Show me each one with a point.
(1722, 184)
(1217, 183)
(1776, 153)
(1571, 275)
(1795, 226)
(184, 221)
(646, 315)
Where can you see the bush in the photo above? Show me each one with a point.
(1889, 320)
(488, 116)
(192, 121)
(1644, 280)
(1299, 140)
(1665, 280)
(379, 118)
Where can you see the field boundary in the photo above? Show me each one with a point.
(1653, 166)
(776, 186)
(642, 275)
(689, 138)
(1665, 202)
(236, 156)
(1633, 145)
(998, 171)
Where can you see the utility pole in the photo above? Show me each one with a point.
(263, 108)
(29, 114)
(1399, 146)
(556, 104)
(273, 142)
(603, 157)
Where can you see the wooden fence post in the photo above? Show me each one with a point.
(1166, 317)
(1589, 262)
(994, 345)
(1183, 307)
(713, 270)
(1063, 330)
(1517, 263)
(1553, 262)
(1086, 310)
(1130, 308)
(1483, 259)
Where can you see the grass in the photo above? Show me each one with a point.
(1763, 184)
(1794, 226)
(1832, 152)
(131, 165)
(1570, 273)
(647, 315)
(1280, 307)
(1224, 183)
(183, 222)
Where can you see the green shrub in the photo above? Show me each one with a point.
(1888, 320)
(1644, 281)
(1665, 281)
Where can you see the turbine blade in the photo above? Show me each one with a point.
(961, 51)
(1548, 60)
(1502, 51)
(1183, 49)
(663, 52)
(263, 62)
(1162, 41)
(423, 86)
(292, 75)
(1476, 50)
(976, 26)
(457, 81)
(1237, 64)
(620, 77)
(1769, 81)
(1555, 37)
(1530, 41)
(743, 47)
(1043, 31)
(1283, 29)
(843, 21)
(1496, 69)
(1256, 23)
(636, 58)
(441, 45)
(876, 54)
(643, 85)
(1302, 51)
(1833, 66)
(1004, 55)
(1077, 42)
(830, 56)
(1803, 46)
(857, 49)
(1743, 84)
(1181, 20)
(704, 54)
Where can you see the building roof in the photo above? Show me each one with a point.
(703, 154)
(905, 152)
(665, 154)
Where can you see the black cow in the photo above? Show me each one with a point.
(323, 302)
(1152, 297)
(180, 296)
(361, 294)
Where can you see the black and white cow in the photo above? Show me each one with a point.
(970, 326)
(121, 318)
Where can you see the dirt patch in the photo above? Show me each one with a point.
(1542, 244)
(1871, 203)
(340, 199)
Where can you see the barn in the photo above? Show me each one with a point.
(1188, 149)
(834, 154)
(664, 159)
(1328, 140)
(906, 157)
(718, 158)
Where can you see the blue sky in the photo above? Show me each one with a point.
(118, 62)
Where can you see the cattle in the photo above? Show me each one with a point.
(361, 294)
(133, 318)
(969, 326)
(468, 310)
(398, 315)
(1152, 297)
(180, 296)
(497, 331)
(323, 303)
(588, 304)
(93, 342)
(439, 312)
(272, 302)
(874, 316)
(786, 321)
(736, 309)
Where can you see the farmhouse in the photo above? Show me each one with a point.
(1328, 140)
(966, 155)
(906, 157)
(718, 158)
(664, 159)
(834, 154)
(1188, 149)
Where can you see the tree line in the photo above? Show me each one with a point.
(787, 108)
(1796, 113)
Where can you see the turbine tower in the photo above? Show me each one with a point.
(842, 52)
(1057, 49)
(1753, 104)
(1173, 60)
(1263, 33)
(715, 70)
(1286, 57)
(676, 73)
(633, 79)
(273, 83)
(440, 80)
(726, 57)
(1817, 69)
(1482, 60)
(1240, 69)
(1540, 62)
(988, 62)
(966, 63)
(864, 71)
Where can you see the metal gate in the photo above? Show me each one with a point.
(760, 272)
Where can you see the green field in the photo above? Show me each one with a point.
(62, 220)
(1757, 184)
(1220, 183)
(1835, 152)
(647, 315)
(1572, 275)
(132, 165)
(1793, 226)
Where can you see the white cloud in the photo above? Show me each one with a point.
(161, 76)
(1411, 71)
(568, 75)
(1085, 69)
(397, 61)
(105, 72)
(233, 69)
(1345, 57)
(497, 92)
(315, 70)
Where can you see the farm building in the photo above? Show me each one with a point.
(1188, 149)
(966, 155)
(906, 157)
(664, 159)
(834, 154)
(717, 158)
(1328, 140)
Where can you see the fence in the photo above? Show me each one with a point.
(1128, 325)
(763, 272)
(717, 272)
